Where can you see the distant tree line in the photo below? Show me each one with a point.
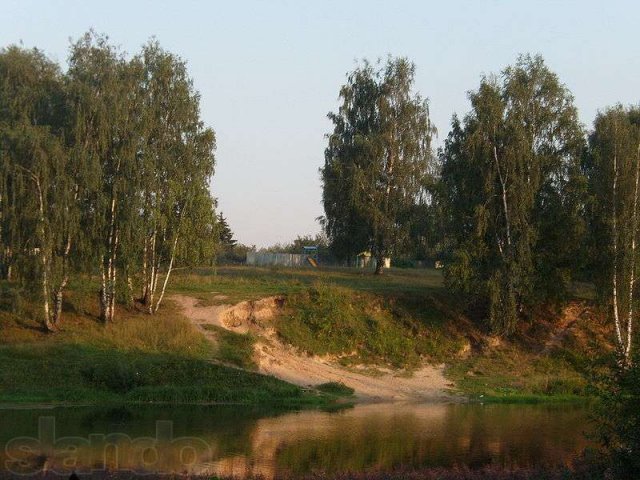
(104, 169)
(297, 244)
(519, 201)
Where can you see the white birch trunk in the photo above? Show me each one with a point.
(144, 270)
(58, 293)
(103, 293)
(166, 278)
(112, 282)
(505, 205)
(43, 261)
(632, 279)
(614, 293)
(151, 290)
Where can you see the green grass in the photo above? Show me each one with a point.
(387, 320)
(251, 283)
(234, 348)
(139, 358)
(515, 377)
(76, 374)
(358, 327)
(336, 388)
(401, 318)
(398, 319)
(525, 370)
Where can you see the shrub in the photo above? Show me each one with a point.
(117, 376)
(336, 388)
(10, 298)
(620, 422)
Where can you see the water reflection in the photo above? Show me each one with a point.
(239, 441)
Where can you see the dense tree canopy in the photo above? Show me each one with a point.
(106, 168)
(38, 212)
(613, 168)
(377, 161)
(511, 185)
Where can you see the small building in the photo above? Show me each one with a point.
(366, 260)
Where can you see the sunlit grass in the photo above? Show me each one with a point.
(399, 319)
(138, 358)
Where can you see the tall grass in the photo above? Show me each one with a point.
(234, 348)
(360, 327)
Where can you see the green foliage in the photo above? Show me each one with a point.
(225, 233)
(336, 388)
(326, 319)
(105, 168)
(377, 160)
(117, 377)
(234, 348)
(513, 191)
(11, 298)
(38, 176)
(619, 421)
(296, 246)
(613, 169)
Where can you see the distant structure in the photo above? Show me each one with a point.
(366, 260)
(309, 257)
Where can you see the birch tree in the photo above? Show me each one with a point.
(614, 177)
(377, 159)
(178, 162)
(107, 106)
(104, 169)
(510, 172)
(39, 181)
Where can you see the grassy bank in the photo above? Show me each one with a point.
(139, 358)
(406, 316)
(398, 320)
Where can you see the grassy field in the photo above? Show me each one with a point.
(405, 317)
(247, 283)
(139, 358)
(399, 319)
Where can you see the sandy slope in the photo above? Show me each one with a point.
(287, 363)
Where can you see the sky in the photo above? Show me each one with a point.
(269, 72)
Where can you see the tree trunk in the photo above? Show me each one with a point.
(132, 301)
(112, 283)
(143, 296)
(58, 292)
(153, 274)
(108, 296)
(379, 264)
(103, 294)
(166, 278)
(505, 205)
(632, 279)
(44, 263)
(614, 280)
(57, 301)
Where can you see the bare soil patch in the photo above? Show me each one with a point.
(275, 358)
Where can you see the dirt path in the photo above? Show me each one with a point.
(287, 363)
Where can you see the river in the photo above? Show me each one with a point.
(227, 440)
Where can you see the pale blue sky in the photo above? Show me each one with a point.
(269, 71)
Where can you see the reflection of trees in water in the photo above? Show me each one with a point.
(519, 435)
(226, 430)
(441, 435)
(367, 437)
